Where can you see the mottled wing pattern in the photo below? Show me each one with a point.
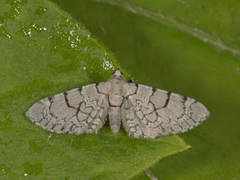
(81, 110)
(151, 112)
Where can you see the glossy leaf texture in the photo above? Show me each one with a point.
(188, 47)
(43, 51)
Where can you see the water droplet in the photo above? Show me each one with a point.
(107, 65)
(40, 10)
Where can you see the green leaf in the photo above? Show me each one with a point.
(43, 51)
(188, 47)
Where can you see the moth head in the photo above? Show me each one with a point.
(117, 73)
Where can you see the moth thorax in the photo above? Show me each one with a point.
(115, 100)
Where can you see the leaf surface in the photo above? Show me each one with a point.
(188, 47)
(43, 51)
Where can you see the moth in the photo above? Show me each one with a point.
(144, 112)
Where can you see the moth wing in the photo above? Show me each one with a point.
(151, 112)
(78, 111)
